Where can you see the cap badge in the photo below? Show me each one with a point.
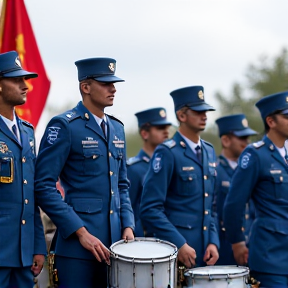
(17, 62)
(245, 123)
(201, 95)
(162, 113)
(112, 66)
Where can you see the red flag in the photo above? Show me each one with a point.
(16, 34)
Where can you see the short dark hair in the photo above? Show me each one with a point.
(273, 116)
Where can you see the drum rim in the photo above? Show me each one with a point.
(190, 273)
(144, 260)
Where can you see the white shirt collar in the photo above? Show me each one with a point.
(232, 164)
(191, 144)
(10, 124)
(282, 151)
(99, 120)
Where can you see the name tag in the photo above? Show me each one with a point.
(187, 168)
(225, 183)
(89, 143)
(118, 143)
(275, 171)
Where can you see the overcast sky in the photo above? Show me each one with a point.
(159, 46)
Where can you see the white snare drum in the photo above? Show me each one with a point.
(143, 262)
(217, 277)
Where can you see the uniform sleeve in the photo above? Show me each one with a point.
(53, 152)
(126, 212)
(135, 185)
(213, 236)
(242, 185)
(39, 238)
(154, 196)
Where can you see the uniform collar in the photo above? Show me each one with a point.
(143, 155)
(190, 143)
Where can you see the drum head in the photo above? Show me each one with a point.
(143, 248)
(217, 272)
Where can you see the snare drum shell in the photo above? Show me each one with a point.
(156, 273)
(217, 277)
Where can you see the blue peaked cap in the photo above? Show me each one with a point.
(153, 117)
(272, 103)
(234, 124)
(99, 69)
(192, 97)
(10, 66)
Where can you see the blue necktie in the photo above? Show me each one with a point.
(103, 124)
(14, 129)
(199, 153)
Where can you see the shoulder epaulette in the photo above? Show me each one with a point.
(258, 144)
(133, 160)
(208, 143)
(146, 159)
(114, 118)
(71, 115)
(27, 124)
(170, 143)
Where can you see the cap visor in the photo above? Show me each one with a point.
(109, 79)
(202, 107)
(245, 132)
(20, 73)
(160, 122)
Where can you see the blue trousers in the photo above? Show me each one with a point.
(11, 277)
(270, 280)
(76, 273)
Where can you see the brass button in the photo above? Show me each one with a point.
(205, 177)
(94, 156)
(281, 178)
(111, 173)
(206, 212)
(223, 229)
(24, 159)
(25, 181)
(190, 178)
(26, 201)
(112, 192)
(243, 229)
(111, 211)
(246, 216)
(23, 222)
(205, 228)
(109, 154)
(206, 194)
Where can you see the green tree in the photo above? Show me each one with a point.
(267, 76)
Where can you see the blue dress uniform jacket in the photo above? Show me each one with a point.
(137, 168)
(93, 174)
(22, 233)
(263, 175)
(177, 196)
(223, 181)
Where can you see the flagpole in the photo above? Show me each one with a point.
(2, 19)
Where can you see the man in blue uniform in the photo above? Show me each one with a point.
(153, 129)
(86, 148)
(178, 190)
(22, 238)
(262, 174)
(234, 133)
